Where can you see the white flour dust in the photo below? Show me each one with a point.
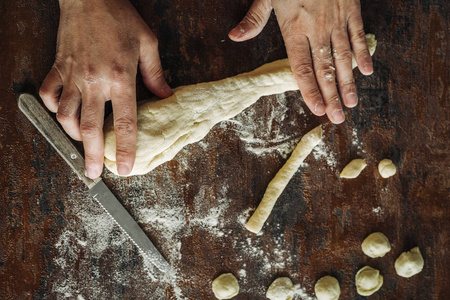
(90, 237)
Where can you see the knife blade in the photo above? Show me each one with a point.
(39, 117)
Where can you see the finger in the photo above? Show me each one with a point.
(151, 69)
(326, 79)
(123, 99)
(91, 124)
(253, 22)
(299, 54)
(68, 114)
(358, 41)
(51, 89)
(342, 56)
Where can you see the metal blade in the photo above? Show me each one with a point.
(120, 215)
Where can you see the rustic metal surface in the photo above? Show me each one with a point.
(56, 243)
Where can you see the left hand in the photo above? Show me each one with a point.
(318, 35)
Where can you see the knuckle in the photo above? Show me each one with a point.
(343, 56)
(124, 126)
(122, 151)
(313, 93)
(363, 53)
(333, 99)
(89, 130)
(303, 71)
(255, 18)
(326, 71)
(359, 35)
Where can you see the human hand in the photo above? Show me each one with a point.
(100, 44)
(318, 35)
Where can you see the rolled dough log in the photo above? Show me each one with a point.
(281, 179)
(166, 126)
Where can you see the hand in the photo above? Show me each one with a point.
(318, 35)
(100, 44)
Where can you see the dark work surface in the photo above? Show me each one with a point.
(57, 243)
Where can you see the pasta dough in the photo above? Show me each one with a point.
(386, 168)
(409, 263)
(376, 245)
(281, 179)
(281, 289)
(368, 280)
(225, 286)
(166, 126)
(353, 169)
(327, 288)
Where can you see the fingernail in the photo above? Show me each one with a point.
(237, 32)
(338, 116)
(368, 67)
(352, 99)
(123, 169)
(93, 171)
(319, 108)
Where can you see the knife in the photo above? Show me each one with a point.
(37, 115)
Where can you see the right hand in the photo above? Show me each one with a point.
(100, 44)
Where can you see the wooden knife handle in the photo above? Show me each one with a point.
(37, 115)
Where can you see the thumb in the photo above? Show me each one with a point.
(253, 22)
(151, 69)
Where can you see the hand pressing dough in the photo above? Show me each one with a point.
(386, 168)
(371, 44)
(225, 286)
(166, 126)
(368, 280)
(281, 289)
(281, 179)
(409, 263)
(376, 245)
(327, 288)
(353, 169)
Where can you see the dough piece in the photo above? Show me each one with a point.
(281, 179)
(368, 280)
(327, 288)
(225, 286)
(409, 263)
(166, 126)
(376, 245)
(371, 44)
(281, 289)
(353, 169)
(386, 168)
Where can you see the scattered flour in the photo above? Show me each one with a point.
(90, 236)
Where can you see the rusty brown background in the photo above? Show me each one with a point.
(319, 221)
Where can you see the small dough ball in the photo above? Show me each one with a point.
(225, 286)
(387, 168)
(353, 169)
(376, 245)
(409, 263)
(281, 289)
(327, 288)
(368, 280)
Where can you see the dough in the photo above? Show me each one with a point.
(281, 289)
(409, 263)
(371, 44)
(353, 169)
(281, 179)
(376, 245)
(225, 286)
(166, 126)
(368, 280)
(327, 288)
(386, 168)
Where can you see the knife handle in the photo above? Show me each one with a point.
(37, 115)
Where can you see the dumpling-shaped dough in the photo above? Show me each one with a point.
(225, 286)
(281, 289)
(327, 288)
(409, 263)
(386, 168)
(353, 169)
(376, 245)
(368, 280)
